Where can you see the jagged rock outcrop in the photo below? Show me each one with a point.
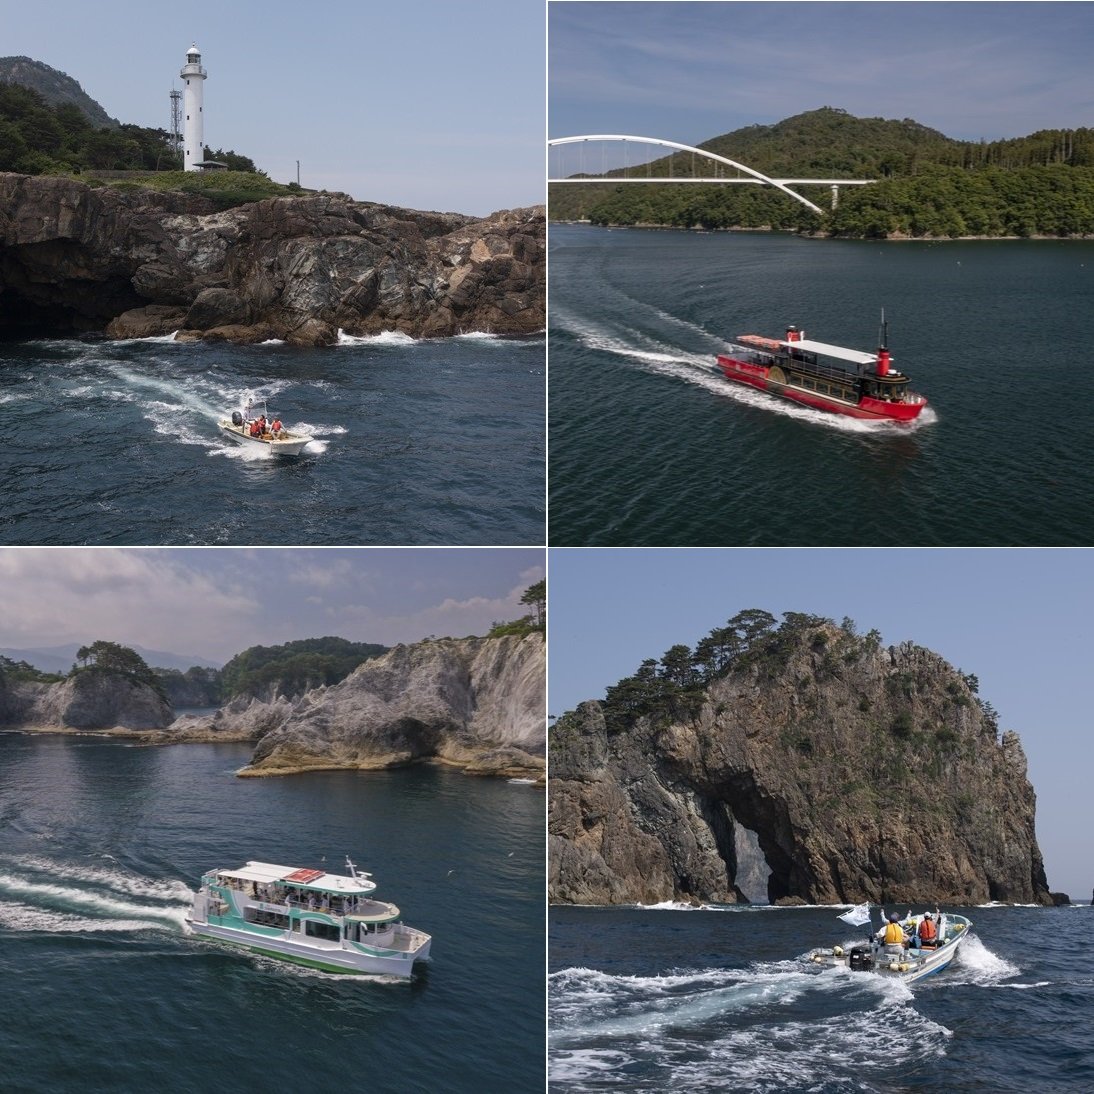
(137, 263)
(477, 703)
(867, 773)
(88, 701)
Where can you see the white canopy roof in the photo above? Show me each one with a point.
(854, 355)
(267, 872)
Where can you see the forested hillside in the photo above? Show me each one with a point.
(38, 138)
(928, 184)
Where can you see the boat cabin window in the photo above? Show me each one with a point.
(326, 931)
(266, 919)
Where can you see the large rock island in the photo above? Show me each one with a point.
(87, 702)
(138, 262)
(476, 703)
(863, 772)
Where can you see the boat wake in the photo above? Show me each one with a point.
(976, 964)
(699, 369)
(770, 1025)
(39, 895)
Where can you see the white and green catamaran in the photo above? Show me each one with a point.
(327, 921)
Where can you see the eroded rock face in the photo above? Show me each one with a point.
(89, 701)
(137, 263)
(867, 774)
(477, 703)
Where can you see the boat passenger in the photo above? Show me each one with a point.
(892, 934)
(275, 429)
(927, 933)
(256, 429)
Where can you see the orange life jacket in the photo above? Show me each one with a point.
(927, 933)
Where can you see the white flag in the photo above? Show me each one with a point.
(857, 916)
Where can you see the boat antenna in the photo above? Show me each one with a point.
(883, 332)
(350, 866)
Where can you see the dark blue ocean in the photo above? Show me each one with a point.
(413, 442)
(649, 446)
(100, 847)
(718, 1000)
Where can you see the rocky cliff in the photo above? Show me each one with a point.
(88, 701)
(865, 772)
(137, 263)
(477, 703)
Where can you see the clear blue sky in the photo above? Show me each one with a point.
(215, 602)
(687, 72)
(1021, 620)
(425, 103)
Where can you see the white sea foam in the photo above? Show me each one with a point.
(165, 889)
(151, 338)
(976, 964)
(38, 894)
(384, 338)
(732, 1029)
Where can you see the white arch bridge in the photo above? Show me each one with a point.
(754, 177)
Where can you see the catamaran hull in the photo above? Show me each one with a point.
(760, 377)
(280, 446)
(333, 960)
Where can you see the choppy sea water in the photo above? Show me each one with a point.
(649, 445)
(718, 999)
(101, 846)
(436, 441)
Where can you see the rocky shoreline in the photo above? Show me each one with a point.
(133, 263)
(476, 704)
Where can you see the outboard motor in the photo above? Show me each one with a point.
(862, 960)
(237, 418)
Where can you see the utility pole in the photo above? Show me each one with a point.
(297, 172)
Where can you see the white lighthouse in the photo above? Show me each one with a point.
(193, 128)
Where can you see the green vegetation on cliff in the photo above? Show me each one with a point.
(535, 622)
(42, 138)
(295, 666)
(928, 184)
(113, 659)
(24, 670)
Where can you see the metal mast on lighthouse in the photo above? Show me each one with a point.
(193, 130)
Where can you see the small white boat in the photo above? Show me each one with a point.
(914, 961)
(257, 431)
(310, 917)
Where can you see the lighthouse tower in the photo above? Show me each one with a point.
(193, 128)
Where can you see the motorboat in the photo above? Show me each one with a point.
(307, 916)
(915, 960)
(257, 431)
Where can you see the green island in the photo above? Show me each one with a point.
(928, 186)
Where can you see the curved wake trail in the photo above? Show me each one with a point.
(37, 895)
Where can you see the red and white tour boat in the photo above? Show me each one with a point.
(794, 367)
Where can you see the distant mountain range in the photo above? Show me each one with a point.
(54, 86)
(62, 658)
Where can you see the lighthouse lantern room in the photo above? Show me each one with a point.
(193, 130)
